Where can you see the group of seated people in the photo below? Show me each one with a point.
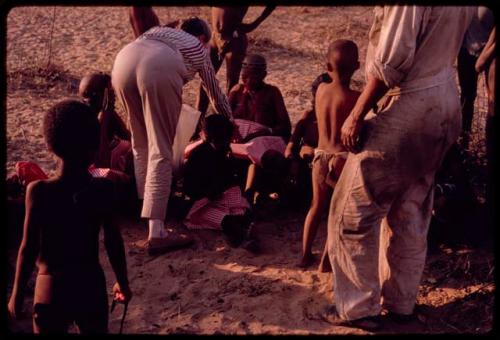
(230, 169)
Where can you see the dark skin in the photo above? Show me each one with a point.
(100, 96)
(142, 19)
(225, 21)
(42, 242)
(334, 102)
(265, 106)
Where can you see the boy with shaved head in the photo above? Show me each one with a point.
(334, 102)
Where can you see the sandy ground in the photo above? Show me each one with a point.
(210, 288)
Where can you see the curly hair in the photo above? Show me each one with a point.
(197, 27)
(218, 130)
(72, 131)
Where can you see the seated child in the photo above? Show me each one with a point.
(64, 215)
(210, 182)
(257, 101)
(300, 150)
(334, 102)
(115, 151)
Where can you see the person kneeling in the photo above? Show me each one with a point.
(210, 182)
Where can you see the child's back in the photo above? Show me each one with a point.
(70, 214)
(334, 103)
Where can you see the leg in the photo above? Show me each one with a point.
(320, 199)
(467, 77)
(160, 85)
(234, 59)
(125, 86)
(48, 319)
(92, 314)
(399, 151)
(250, 185)
(405, 232)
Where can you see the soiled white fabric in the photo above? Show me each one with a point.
(389, 183)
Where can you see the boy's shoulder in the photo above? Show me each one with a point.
(272, 88)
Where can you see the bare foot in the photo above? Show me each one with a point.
(306, 261)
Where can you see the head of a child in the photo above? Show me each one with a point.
(253, 71)
(96, 91)
(71, 132)
(198, 28)
(342, 59)
(218, 130)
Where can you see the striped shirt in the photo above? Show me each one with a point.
(196, 60)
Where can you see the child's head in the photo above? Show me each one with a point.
(198, 28)
(218, 130)
(95, 89)
(342, 59)
(71, 132)
(253, 71)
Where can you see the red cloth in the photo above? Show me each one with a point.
(206, 214)
(28, 172)
(253, 150)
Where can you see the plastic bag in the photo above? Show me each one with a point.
(186, 126)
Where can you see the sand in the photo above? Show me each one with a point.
(207, 288)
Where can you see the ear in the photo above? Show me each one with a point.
(203, 39)
(329, 67)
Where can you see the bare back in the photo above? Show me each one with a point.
(69, 216)
(333, 104)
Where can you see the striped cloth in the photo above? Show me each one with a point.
(248, 127)
(206, 214)
(196, 60)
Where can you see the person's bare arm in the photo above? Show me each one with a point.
(247, 28)
(298, 133)
(488, 53)
(116, 253)
(284, 126)
(29, 248)
(350, 131)
(142, 19)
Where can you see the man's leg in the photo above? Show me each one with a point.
(405, 233)
(467, 77)
(234, 59)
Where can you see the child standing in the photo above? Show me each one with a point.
(334, 102)
(61, 232)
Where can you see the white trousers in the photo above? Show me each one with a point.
(148, 77)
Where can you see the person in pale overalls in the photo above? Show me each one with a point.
(381, 208)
